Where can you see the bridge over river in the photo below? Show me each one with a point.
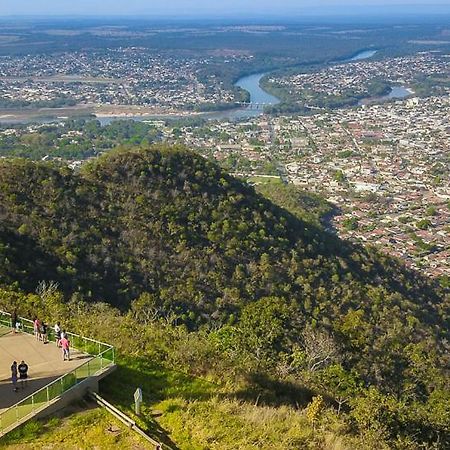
(254, 105)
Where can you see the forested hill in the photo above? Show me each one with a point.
(166, 221)
(169, 223)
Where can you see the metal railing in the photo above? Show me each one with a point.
(103, 356)
(81, 343)
(130, 423)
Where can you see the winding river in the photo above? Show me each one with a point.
(258, 95)
(258, 98)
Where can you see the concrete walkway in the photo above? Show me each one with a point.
(45, 364)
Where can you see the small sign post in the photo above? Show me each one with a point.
(137, 401)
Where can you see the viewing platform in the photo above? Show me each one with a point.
(52, 382)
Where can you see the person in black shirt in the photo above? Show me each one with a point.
(23, 373)
(14, 321)
(44, 328)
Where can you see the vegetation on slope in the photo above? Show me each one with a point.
(79, 428)
(213, 279)
(306, 206)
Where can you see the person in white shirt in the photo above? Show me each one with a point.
(57, 329)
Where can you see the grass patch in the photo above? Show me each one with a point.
(80, 429)
(187, 413)
(265, 180)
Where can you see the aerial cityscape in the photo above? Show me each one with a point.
(383, 163)
(225, 226)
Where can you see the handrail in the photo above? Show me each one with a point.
(46, 386)
(69, 333)
(37, 400)
(124, 419)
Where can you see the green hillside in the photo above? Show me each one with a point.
(161, 253)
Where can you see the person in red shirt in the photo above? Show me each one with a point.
(65, 345)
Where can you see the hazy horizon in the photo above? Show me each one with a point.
(212, 9)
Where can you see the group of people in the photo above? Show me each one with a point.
(19, 372)
(41, 334)
(61, 337)
(40, 330)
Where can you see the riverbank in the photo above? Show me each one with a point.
(395, 93)
(262, 95)
(285, 104)
(105, 113)
(376, 92)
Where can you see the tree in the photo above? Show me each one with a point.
(376, 414)
(145, 309)
(264, 325)
(339, 176)
(320, 348)
(339, 383)
(314, 409)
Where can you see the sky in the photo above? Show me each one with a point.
(217, 8)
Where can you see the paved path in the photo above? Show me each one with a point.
(44, 361)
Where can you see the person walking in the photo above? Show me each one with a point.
(23, 373)
(18, 326)
(65, 345)
(37, 328)
(57, 329)
(14, 375)
(14, 321)
(44, 332)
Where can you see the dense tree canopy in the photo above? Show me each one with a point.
(167, 235)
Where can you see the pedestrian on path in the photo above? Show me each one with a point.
(14, 375)
(14, 321)
(23, 373)
(65, 345)
(18, 326)
(37, 328)
(57, 329)
(44, 332)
